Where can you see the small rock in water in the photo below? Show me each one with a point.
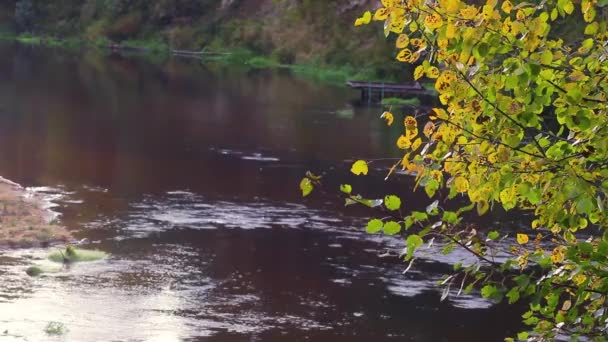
(33, 271)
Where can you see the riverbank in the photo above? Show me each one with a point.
(242, 57)
(24, 221)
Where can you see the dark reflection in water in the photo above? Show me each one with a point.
(187, 174)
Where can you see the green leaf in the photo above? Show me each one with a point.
(431, 209)
(447, 249)
(534, 196)
(371, 203)
(569, 7)
(554, 14)
(431, 187)
(488, 291)
(350, 201)
(413, 241)
(513, 295)
(392, 228)
(546, 57)
(450, 217)
(585, 205)
(419, 216)
(392, 202)
(493, 235)
(585, 248)
(523, 336)
(409, 222)
(481, 50)
(359, 168)
(346, 188)
(306, 186)
(482, 207)
(592, 28)
(374, 226)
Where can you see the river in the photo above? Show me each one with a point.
(187, 173)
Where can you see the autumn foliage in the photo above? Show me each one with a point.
(523, 124)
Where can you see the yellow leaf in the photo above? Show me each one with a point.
(482, 207)
(440, 113)
(388, 116)
(429, 128)
(444, 98)
(507, 6)
(579, 279)
(433, 21)
(417, 42)
(437, 175)
(557, 255)
(414, 57)
(522, 239)
(411, 132)
(404, 55)
(507, 26)
(468, 12)
(590, 15)
(365, 19)
(448, 76)
(403, 142)
(507, 195)
(381, 14)
(451, 6)
(569, 7)
(410, 122)
(450, 31)
(432, 72)
(402, 41)
(413, 26)
(397, 21)
(360, 168)
(416, 144)
(461, 184)
(418, 72)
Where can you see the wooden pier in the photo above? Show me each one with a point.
(376, 91)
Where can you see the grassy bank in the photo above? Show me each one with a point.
(313, 39)
(242, 57)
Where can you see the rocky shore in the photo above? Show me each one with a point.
(24, 221)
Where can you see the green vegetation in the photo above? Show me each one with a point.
(72, 254)
(397, 102)
(312, 36)
(55, 328)
(33, 271)
(522, 126)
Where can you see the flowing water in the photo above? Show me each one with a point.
(187, 174)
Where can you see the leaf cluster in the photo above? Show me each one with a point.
(523, 124)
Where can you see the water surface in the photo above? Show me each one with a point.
(187, 174)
